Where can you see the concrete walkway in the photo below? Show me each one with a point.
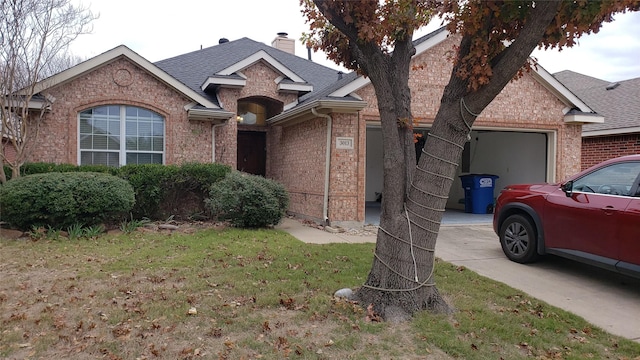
(607, 300)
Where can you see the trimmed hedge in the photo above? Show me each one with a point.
(42, 168)
(161, 190)
(59, 200)
(166, 190)
(248, 201)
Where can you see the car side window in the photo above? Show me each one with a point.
(616, 179)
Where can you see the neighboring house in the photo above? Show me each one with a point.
(619, 103)
(264, 110)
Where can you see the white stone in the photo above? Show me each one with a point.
(344, 293)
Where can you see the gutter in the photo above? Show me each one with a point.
(327, 167)
(343, 106)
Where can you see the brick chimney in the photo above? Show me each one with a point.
(282, 42)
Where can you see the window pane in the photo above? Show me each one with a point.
(158, 128)
(132, 158)
(100, 126)
(144, 113)
(114, 110)
(132, 128)
(85, 142)
(158, 144)
(144, 158)
(99, 158)
(113, 143)
(144, 143)
(616, 179)
(85, 158)
(132, 112)
(114, 159)
(85, 128)
(132, 143)
(114, 127)
(99, 142)
(141, 158)
(144, 128)
(102, 110)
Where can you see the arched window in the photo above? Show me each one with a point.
(251, 113)
(116, 135)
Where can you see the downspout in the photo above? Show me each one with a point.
(327, 162)
(213, 139)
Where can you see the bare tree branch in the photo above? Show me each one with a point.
(34, 42)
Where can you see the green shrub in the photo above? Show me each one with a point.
(161, 190)
(42, 168)
(187, 189)
(37, 168)
(248, 201)
(147, 181)
(165, 190)
(60, 200)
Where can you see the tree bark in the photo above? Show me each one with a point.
(401, 279)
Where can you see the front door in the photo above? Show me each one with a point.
(252, 152)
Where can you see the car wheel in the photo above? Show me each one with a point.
(518, 239)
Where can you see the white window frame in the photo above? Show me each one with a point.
(123, 136)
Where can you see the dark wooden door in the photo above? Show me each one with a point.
(252, 152)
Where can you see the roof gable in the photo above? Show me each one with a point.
(117, 53)
(232, 76)
(436, 37)
(222, 65)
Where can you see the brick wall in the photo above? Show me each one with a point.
(297, 160)
(9, 150)
(185, 141)
(298, 157)
(346, 189)
(600, 148)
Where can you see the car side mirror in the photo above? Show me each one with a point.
(568, 188)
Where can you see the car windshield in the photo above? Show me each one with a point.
(616, 179)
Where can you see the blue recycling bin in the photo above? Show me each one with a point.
(478, 193)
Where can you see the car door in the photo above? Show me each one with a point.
(629, 231)
(587, 220)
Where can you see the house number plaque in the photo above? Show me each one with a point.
(344, 143)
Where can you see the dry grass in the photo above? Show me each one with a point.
(235, 294)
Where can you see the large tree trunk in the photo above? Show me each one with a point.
(401, 279)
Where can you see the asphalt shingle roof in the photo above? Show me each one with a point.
(620, 105)
(192, 69)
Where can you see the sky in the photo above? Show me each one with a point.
(158, 32)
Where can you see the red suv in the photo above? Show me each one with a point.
(594, 217)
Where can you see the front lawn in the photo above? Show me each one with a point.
(256, 294)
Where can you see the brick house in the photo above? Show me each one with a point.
(619, 103)
(263, 110)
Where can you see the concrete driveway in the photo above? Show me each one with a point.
(607, 300)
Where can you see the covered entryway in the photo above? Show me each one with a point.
(515, 156)
(252, 152)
